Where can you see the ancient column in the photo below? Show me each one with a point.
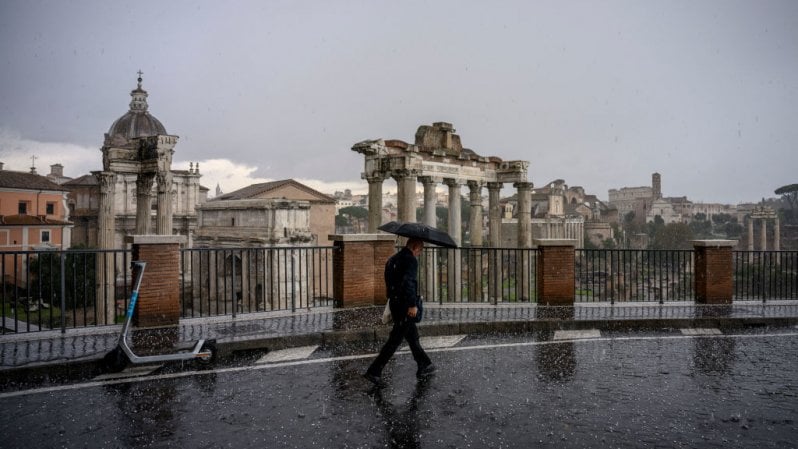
(455, 230)
(455, 226)
(494, 214)
(475, 254)
(106, 223)
(763, 235)
(750, 234)
(429, 200)
(164, 214)
(524, 271)
(430, 273)
(406, 196)
(143, 202)
(375, 202)
(776, 237)
(475, 223)
(494, 234)
(524, 214)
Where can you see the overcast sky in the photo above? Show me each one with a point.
(598, 93)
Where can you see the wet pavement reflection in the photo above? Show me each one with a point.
(620, 390)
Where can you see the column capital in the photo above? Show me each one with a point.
(526, 185)
(427, 180)
(451, 182)
(494, 185)
(403, 174)
(375, 177)
(475, 194)
(164, 181)
(106, 179)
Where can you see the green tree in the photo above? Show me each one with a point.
(720, 219)
(609, 243)
(701, 229)
(355, 212)
(79, 281)
(733, 230)
(789, 193)
(672, 236)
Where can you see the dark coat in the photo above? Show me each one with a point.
(401, 282)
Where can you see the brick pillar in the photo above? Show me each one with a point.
(159, 294)
(555, 272)
(358, 268)
(713, 271)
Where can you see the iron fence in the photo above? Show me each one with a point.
(480, 275)
(765, 275)
(633, 275)
(229, 281)
(44, 290)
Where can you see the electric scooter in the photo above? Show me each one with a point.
(204, 351)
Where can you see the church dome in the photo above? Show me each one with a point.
(137, 122)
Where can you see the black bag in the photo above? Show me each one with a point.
(419, 308)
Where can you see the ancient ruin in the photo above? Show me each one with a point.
(438, 157)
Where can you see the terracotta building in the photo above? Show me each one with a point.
(33, 212)
(33, 217)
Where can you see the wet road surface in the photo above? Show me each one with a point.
(691, 388)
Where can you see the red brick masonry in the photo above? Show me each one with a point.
(159, 294)
(713, 271)
(555, 272)
(358, 266)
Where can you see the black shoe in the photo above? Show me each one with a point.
(373, 379)
(426, 371)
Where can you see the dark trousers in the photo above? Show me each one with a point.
(403, 330)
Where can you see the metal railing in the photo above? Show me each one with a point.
(229, 281)
(43, 290)
(480, 275)
(633, 275)
(765, 275)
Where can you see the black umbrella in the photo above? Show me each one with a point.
(419, 231)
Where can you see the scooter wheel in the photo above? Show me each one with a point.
(116, 360)
(208, 346)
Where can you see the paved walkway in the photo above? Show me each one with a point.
(326, 325)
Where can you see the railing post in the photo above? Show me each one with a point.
(234, 287)
(714, 271)
(358, 268)
(555, 271)
(159, 295)
(63, 291)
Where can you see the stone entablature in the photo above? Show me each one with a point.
(763, 214)
(438, 157)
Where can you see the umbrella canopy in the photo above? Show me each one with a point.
(419, 231)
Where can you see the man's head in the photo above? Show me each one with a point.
(415, 246)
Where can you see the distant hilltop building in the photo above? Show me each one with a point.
(562, 212)
(647, 203)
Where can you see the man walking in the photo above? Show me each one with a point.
(401, 282)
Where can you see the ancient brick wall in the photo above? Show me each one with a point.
(358, 268)
(555, 275)
(713, 275)
(159, 293)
